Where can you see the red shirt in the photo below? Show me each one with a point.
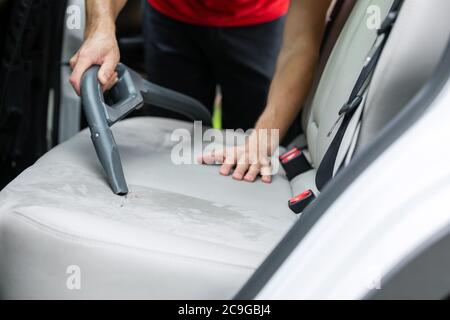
(222, 13)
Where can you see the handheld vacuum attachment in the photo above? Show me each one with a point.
(129, 94)
(100, 116)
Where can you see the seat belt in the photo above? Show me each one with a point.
(326, 168)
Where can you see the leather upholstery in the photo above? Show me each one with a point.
(184, 231)
(339, 77)
(408, 61)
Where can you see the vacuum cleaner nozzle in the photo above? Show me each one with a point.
(127, 95)
(100, 116)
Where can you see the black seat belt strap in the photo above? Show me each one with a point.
(326, 168)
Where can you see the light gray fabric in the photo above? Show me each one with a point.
(410, 57)
(182, 232)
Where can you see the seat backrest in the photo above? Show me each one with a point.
(410, 57)
(340, 74)
(338, 17)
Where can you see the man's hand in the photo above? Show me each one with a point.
(100, 46)
(98, 49)
(246, 162)
(296, 64)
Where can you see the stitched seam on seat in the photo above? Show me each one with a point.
(51, 230)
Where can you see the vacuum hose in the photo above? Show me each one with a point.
(130, 93)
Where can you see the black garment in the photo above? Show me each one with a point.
(194, 60)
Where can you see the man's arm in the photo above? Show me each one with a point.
(293, 78)
(100, 45)
(296, 65)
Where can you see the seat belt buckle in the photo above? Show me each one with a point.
(294, 163)
(299, 203)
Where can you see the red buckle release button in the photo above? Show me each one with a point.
(299, 203)
(288, 156)
(300, 197)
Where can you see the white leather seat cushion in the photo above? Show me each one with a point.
(182, 231)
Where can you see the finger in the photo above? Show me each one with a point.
(229, 162)
(241, 170)
(202, 159)
(80, 68)
(214, 157)
(207, 158)
(219, 158)
(220, 155)
(107, 70)
(252, 173)
(266, 173)
(111, 82)
(226, 168)
(73, 61)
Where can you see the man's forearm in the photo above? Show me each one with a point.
(101, 15)
(289, 88)
(296, 64)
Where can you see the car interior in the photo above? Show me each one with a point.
(183, 231)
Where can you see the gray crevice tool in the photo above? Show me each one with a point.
(129, 94)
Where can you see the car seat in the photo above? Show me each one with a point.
(185, 231)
